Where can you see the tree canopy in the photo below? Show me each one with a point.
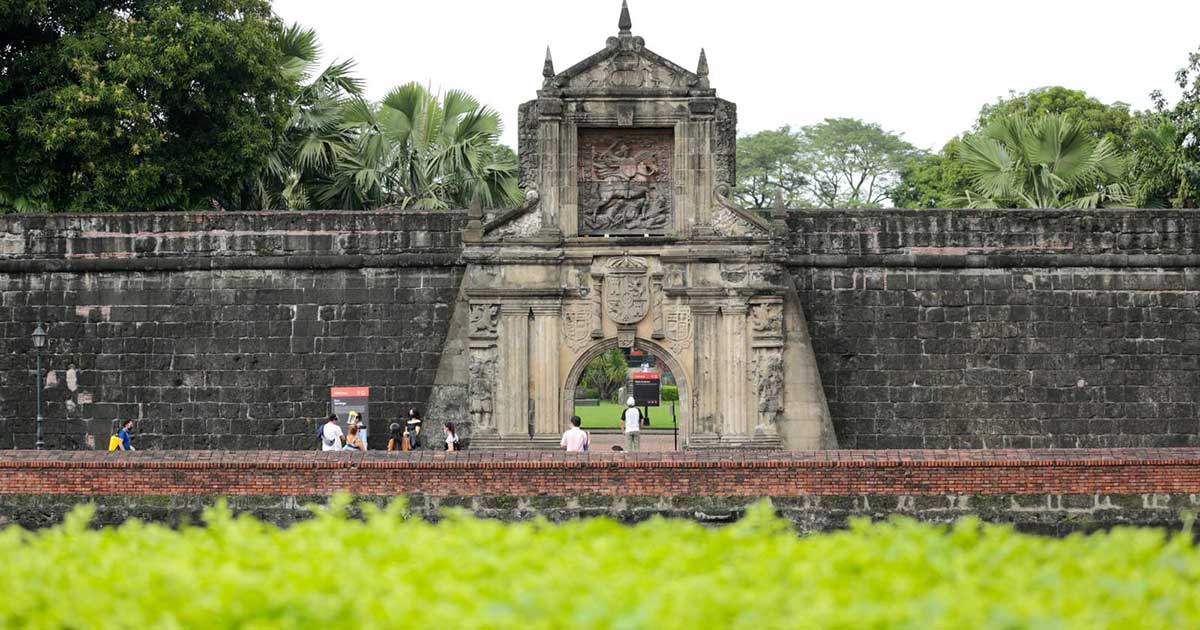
(136, 104)
(839, 162)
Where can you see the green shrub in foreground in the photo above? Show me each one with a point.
(389, 572)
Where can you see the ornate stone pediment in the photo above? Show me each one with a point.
(624, 64)
(635, 67)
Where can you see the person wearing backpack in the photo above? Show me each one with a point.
(631, 422)
(331, 435)
(121, 441)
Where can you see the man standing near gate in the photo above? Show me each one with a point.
(631, 421)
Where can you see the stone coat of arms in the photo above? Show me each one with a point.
(627, 290)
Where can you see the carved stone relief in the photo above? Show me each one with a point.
(627, 69)
(766, 319)
(768, 378)
(678, 321)
(484, 319)
(726, 223)
(625, 180)
(627, 290)
(577, 326)
(483, 374)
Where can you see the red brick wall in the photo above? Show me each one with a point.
(833, 473)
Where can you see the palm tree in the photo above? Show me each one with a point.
(298, 174)
(416, 150)
(1045, 162)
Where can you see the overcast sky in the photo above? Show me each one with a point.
(919, 67)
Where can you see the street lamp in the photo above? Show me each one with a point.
(39, 344)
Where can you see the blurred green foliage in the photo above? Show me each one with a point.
(388, 571)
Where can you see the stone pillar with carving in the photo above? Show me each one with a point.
(706, 322)
(767, 370)
(734, 367)
(512, 397)
(597, 306)
(656, 308)
(482, 333)
(544, 365)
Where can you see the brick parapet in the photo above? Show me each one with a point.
(834, 473)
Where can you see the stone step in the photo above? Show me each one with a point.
(515, 442)
(758, 441)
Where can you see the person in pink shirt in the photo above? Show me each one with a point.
(575, 439)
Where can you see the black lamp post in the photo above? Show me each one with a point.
(39, 344)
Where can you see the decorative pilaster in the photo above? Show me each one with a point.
(597, 306)
(656, 308)
(707, 326)
(734, 368)
(482, 331)
(513, 395)
(766, 369)
(544, 365)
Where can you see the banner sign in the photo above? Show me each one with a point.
(646, 388)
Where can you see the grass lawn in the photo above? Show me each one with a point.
(608, 416)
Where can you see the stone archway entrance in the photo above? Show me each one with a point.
(684, 409)
(628, 236)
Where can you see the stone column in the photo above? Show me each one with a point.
(544, 346)
(512, 408)
(707, 331)
(735, 379)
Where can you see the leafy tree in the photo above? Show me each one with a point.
(1166, 170)
(136, 104)
(849, 163)
(1112, 122)
(415, 149)
(768, 161)
(1041, 163)
(939, 181)
(606, 373)
(935, 180)
(298, 173)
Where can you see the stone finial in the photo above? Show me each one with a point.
(474, 231)
(779, 213)
(702, 67)
(548, 66)
(625, 24)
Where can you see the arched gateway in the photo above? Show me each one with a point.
(628, 238)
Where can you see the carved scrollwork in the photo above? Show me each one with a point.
(730, 219)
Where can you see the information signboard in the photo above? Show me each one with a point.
(646, 390)
(346, 399)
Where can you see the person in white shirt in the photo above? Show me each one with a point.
(331, 435)
(575, 440)
(631, 422)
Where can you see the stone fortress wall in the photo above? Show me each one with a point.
(1004, 328)
(220, 330)
(932, 328)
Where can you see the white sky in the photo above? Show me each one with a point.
(919, 67)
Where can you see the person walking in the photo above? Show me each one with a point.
(413, 429)
(451, 437)
(575, 439)
(631, 422)
(331, 435)
(121, 441)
